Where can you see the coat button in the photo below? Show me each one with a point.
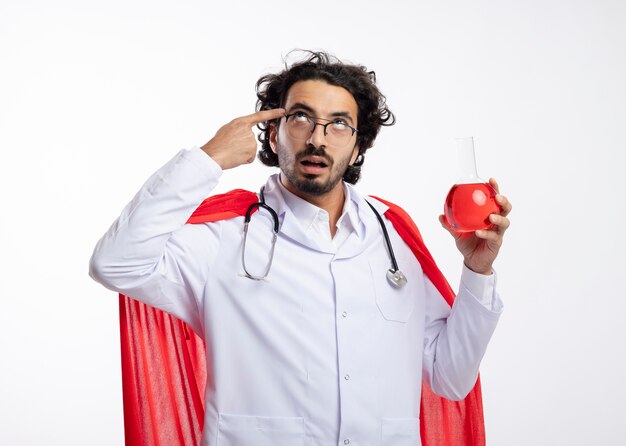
(347, 377)
(344, 314)
(346, 441)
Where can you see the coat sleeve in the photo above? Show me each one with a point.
(149, 253)
(456, 339)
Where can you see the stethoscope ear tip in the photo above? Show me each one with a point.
(396, 278)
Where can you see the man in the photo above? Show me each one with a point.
(308, 341)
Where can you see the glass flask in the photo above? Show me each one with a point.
(471, 200)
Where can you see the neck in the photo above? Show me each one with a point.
(332, 201)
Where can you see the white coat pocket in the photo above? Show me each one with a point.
(246, 430)
(400, 432)
(395, 304)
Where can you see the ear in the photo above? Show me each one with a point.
(273, 137)
(355, 154)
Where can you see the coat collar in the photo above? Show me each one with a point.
(296, 216)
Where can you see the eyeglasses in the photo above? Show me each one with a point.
(300, 126)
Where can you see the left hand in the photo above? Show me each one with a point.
(480, 248)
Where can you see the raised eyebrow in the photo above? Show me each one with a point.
(301, 106)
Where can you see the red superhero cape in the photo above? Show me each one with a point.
(164, 370)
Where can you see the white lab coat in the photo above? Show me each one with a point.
(324, 351)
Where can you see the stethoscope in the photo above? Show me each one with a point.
(394, 275)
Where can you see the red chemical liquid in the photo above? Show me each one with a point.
(468, 206)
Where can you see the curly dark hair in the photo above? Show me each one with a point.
(373, 113)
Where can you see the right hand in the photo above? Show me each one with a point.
(235, 144)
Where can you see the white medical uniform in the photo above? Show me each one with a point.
(323, 352)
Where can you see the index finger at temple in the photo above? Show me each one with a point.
(263, 115)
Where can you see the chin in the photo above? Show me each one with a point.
(310, 186)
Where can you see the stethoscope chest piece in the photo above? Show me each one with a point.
(396, 278)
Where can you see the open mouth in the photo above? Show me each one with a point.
(314, 163)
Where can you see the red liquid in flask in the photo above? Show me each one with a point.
(468, 206)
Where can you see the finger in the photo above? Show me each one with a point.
(263, 115)
(502, 223)
(488, 235)
(505, 204)
(494, 184)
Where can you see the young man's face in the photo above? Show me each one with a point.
(313, 165)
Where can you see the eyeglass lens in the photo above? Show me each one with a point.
(300, 126)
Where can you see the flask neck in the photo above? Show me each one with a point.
(467, 161)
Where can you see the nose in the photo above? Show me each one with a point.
(317, 138)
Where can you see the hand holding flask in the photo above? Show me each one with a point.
(471, 200)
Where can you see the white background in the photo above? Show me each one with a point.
(95, 97)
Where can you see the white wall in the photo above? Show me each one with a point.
(93, 98)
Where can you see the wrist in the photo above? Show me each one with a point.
(214, 155)
(486, 271)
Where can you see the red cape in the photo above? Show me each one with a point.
(164, 364)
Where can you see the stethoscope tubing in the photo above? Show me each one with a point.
(394, 275)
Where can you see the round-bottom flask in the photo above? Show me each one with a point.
(471, 200)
